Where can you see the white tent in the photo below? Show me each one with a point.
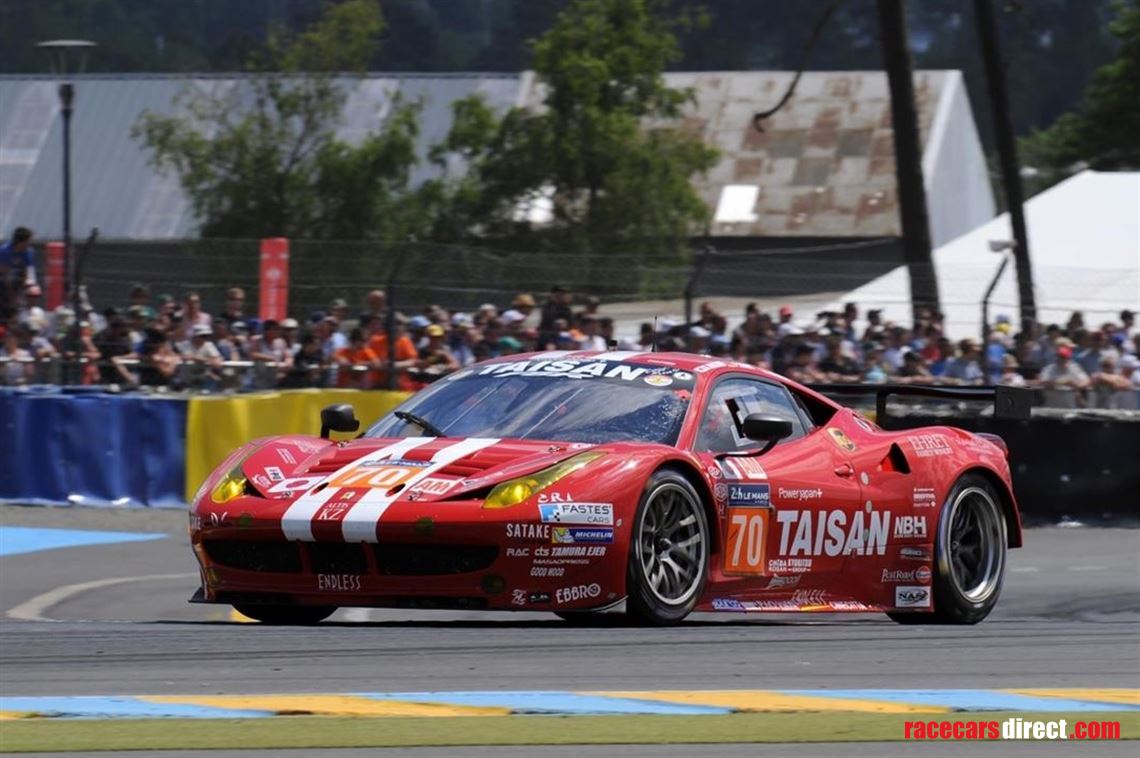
(1084, 242)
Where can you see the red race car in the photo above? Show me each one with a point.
(572, 482)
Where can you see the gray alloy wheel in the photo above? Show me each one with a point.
(970, 556)
(669, 551)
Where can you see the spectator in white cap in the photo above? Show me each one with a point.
(204, 358)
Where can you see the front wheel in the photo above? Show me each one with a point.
(286, 615)
(669, 551)
(970, 553)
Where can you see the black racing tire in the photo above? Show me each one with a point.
(970, 552)
(286, 615)
(669, 549)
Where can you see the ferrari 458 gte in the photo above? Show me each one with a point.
(654, 483)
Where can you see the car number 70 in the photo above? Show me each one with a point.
(746, 530)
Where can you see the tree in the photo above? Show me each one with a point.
(603, 156)
(264, 160)
(1104, 132)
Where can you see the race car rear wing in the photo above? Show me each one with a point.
(1009, 402)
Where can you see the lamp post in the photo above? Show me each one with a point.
(996, 246)
(68, 56)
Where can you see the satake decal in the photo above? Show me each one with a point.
(599, 514)
(529, 532)
(577, 592)
(929, 445)
(912, 597)
(749, 495)
(842, 439)
(910, 527)
(338, 582)
(895, 576)
(577, 534)
(832, 533)
(923, 497)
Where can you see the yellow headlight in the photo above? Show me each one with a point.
(232, 486)
(518, 490)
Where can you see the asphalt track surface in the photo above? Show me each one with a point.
(1069, 616)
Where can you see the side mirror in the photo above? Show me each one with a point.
(762, 428)
(338, 418)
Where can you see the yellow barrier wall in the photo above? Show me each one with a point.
(216, 426)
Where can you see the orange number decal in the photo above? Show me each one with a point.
(747, 528)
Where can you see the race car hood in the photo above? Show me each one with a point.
(435, 467)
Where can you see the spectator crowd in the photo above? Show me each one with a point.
(161, 341)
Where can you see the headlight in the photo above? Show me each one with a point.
(515, 491)
(233, 485)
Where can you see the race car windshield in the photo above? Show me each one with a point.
(571, 401)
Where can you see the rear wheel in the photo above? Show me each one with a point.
(669, 551)
(286, 615)
(969, 560)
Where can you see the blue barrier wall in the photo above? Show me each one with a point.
(91, 448)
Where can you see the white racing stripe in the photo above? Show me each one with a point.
(360, 522)
(616, 355)
(297, 521)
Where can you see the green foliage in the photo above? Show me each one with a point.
(265, 161)
(602, 154)
(1104, 132)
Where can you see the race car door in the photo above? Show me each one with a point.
(789, 511)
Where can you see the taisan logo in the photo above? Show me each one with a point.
(832, 533)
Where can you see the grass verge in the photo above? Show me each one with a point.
(39, 735)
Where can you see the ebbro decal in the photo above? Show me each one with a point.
(571, 535)
(749, 495)
(578, 592)
(600, 514)
(912, 597)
